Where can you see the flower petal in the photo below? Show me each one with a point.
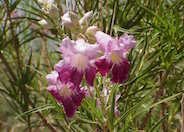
(103, 40)
(127, 42)
(89, 50)
(67, 47)
(85, 19)
(90, 75)
(52, 78)
(69, 106)
(103, 66)
(78, 95)
(65, 73)
(55, 92)
(120, 71)
(59, 66)
(76, 76)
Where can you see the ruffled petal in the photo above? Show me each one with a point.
(52, 78)
(127, 42)
(103, 40)
(103, 66)
(90, 75)
(89, 50)
(67, 47)
(55, 93)
(59, 66)
(120, 71)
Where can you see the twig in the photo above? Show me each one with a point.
(29, 123)
(45, 54)
(163, 105)
(7, 66)
(16, 45)
(158, 95)
(101, 15)
(59, 5)
(45, 122)
(113, 16)
(182, 114)
(148, 115)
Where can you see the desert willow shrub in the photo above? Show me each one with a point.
(81, 59)
(92, 65)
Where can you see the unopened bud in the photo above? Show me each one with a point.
(84, 20)
(70, 21)
(90, 33)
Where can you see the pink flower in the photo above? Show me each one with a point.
(114, 58)
(67, 94)
(78, 61)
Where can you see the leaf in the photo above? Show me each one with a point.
(34, 110)
(157, 123)
(159, 102)
(112, 99)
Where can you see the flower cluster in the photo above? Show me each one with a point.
(82, 60)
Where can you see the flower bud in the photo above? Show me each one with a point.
(84, 20)
(70, 21)
(90, 33)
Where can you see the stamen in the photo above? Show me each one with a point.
(65, 91)
(80, 62)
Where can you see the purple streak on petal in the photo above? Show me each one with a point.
(69, 106)
(76, 76)
(120, 72)
(74, 101)
(65, 73)
(70, 101)
(90, 75)
(103, 66)
(77, 96)
(53, 77)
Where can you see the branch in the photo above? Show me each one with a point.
(16, 45)
(7, 66)
(182, 114)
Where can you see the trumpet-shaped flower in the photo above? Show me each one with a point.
(114, 58)
(67, 94)
(78, 61)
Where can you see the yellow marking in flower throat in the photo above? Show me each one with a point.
(115, 58)
(65, 91)
(80, 62)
